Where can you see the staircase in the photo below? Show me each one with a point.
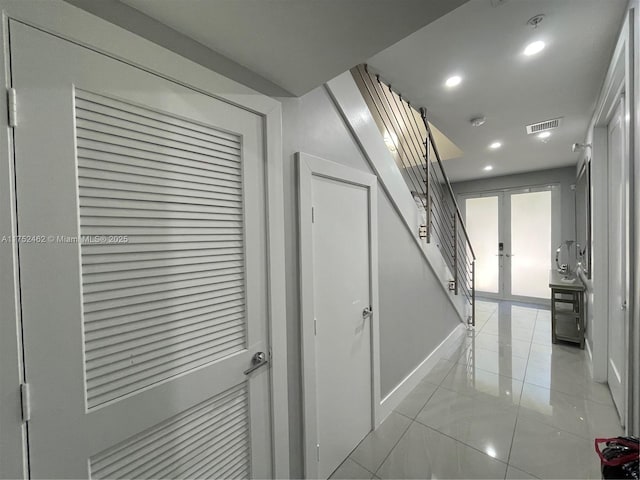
(409, 138)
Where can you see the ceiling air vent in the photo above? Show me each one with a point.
(542, 126)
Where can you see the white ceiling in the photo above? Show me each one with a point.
(484, 45)
(296, 44)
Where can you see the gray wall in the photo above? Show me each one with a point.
(137, 22)
(415, 315)
(566, 177)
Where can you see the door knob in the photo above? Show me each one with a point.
(257, 361)
(367, 312)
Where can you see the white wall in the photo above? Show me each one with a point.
(626, 68)
(415, 314)
(566, 177)
(635, 305)
(137, 22)
(597, 308)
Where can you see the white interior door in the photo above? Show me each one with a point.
(338, 255)
(142, 270)
(341, 276)
(618, 194)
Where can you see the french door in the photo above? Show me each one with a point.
(512, 233)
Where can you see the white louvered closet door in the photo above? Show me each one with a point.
(143, 272)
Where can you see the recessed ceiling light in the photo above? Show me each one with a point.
(534, 47)
(544, 135)
(495, 145)
(453, 81)
(488, 168)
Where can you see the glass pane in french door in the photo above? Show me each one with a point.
(483, 228)
(530, 244)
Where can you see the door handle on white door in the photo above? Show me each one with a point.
(624, 305)
(257, 361)
(367, 312)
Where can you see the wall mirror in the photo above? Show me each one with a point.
(583, 218)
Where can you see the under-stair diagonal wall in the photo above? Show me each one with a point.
(418, 315)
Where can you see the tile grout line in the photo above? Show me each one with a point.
(453, 361)
(411, 421)
(392, 448)
(357, 463)
(515, 426)
(461, 443)
(453, 364)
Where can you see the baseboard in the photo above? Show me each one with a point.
(411, 381)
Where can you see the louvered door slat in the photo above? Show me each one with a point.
(132, 277)
(136, 231)
(104, 319)
(136, 266)
(120, 118)
(150, 347)
(101, 246)
(142, 221)
(110, 309)
(141, 133)
(116, 257)
(175, 285)
(221, 162)
(163, 148)
(145, 443)
(186, 239)
(152, 179)
(147, 321)
(147, 279)
(91, 193)
(214, 430)
(136, 187)
(201, 324)
(136, 113)
(195, 450)
(226, 181)
(161, 212)
(134, 212)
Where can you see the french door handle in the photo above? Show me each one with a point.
(257, 361)
(511, 255)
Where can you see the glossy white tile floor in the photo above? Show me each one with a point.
(505, 404)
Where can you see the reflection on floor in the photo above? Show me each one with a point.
(505, 404)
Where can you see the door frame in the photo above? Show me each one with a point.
(308, 167)
(504, 232)
(620, 78)
(63, 20)
(619, 104)
(463, 211)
